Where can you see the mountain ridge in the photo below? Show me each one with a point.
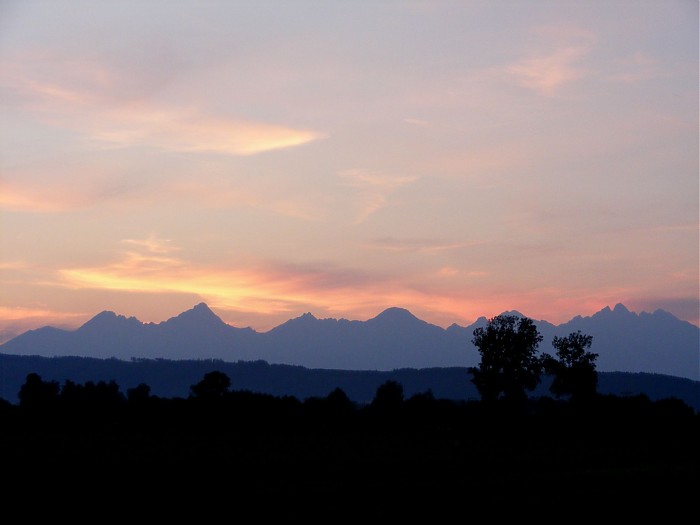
(656, 342)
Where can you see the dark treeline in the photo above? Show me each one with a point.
(172, 378)
(396, 449)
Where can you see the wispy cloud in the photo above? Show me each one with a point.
(213, 193)
(16, 320)
(636, 68)
(273, 288)
(373, 189)
(13, 265)
(32, 198)
(416, 245)
(256, 286)
(152, 244)
(557, 61)
(363, 179)
(18, 313)
(96, 110)
(547, 74)
(67, 187)
(416, 122)
(192, 131)
(450, 272)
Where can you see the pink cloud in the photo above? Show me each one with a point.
(547, 74)
(373, 189)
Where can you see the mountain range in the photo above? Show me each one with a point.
(625, 341)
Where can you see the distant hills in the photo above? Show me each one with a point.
(653, 343)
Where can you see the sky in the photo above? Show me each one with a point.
(270, 158)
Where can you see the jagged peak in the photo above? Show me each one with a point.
(201, 308)
(620, 308)
(199, 312)
(306, 317)
(302, 322)
(107, 317)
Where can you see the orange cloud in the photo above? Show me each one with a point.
(17, 320)
(274, 293)
(77, 99)
(28, 197)
(19, 313)
(69, 187)
(192, 131)
(261, 287)
(282, 290)
(148, 268)
(152, 244)
(12, 265)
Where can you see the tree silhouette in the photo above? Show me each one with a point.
(214, 385)
(509, 364)
(339, 402)
(389, 396)
(138, 394)
(574, 371)
(36, 393)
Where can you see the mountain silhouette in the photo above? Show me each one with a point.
(199, 317)
(395, 316)
(655, 342)
(644, 342)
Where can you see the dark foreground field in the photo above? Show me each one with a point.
(328, 459)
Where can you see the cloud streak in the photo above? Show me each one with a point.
(549, 73)
(148, 268)
(115, 121)
(558, 61)
(192, 131)
(417, 245)
(373, 189)
(280, 290)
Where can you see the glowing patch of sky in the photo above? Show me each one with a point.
(454, 158)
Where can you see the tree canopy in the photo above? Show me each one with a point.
(574, 371)
(510, 366)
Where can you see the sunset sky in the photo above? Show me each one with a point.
(271, 158)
